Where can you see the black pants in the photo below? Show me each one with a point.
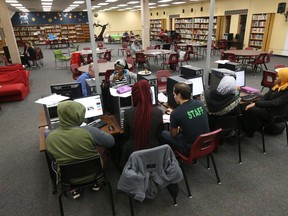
(254, 118)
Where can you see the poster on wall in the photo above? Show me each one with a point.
(41, 18)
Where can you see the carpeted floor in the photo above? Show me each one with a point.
(258, 186)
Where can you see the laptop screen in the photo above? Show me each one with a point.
(197, 87)
(92, 104)
(240, 78)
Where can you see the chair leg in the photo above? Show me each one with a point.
(286, 125)
(208, 162)
(111, 196)
(215, 168)
(185, 179)
(60, 203)
(239, 149)
(263, 140)
(131, 206)
(173, 190)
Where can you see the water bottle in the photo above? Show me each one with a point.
(46, 131)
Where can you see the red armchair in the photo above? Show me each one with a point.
(14, 84)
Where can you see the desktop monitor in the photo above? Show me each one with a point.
(198, 85)
(93, 106)
(217, 74)
(72, 90)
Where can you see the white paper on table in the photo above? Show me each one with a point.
(162, 98)
(52, 99)
(113, 92)
(221, 61)
(166, 118)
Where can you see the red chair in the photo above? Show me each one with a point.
(89, 59)
(123, 48)
(185, 58)
(141, 61)
(157, 46)
(191, 50)
(100, 45)
(107, 76)
(75, 72)
(268, 59)
(101, 61)
(130, 61)
(107, 55)
(172, 61)
(162, 77)
(268, 79)
(128, 53)
(204, 145)
(231, 57)
(257, 62)
(279, 66)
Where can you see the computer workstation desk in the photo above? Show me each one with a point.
(109, 119)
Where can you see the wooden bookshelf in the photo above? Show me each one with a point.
(38, 34)
(260, 32)
(155, 26)
(183, 26)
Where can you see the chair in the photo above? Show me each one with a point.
(233, 48)
(78, 170)
(130, 61)
(204, 145)
(157, 46)
(268, 78)
(74, 70)
(100, 45)
(59, 56)
(74, 48)
(162, 77)
(190, 49)
(231, 57)
(172, 61)
(101, 60)
(123, 48)
(185, 58)
(54, 44)
(267, 59)
(249, 48)
(279, 66)
(141, 61)
(231, 127)
(64, 43)
(128, 53)
(213, 48)
(107, 55)
(275, 120)
(257, 62)
(38, 58)
(148, 175)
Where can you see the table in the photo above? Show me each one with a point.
(198, 47)
(155, 52)
(109, 119)
(102, 68)
(244, 53)
(76, 56)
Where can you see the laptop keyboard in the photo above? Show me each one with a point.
(98, 123)
(249, 97)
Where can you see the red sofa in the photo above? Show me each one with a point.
(14, 83)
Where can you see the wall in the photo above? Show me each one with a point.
(279, 38)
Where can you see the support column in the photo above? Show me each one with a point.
(145, 23)
(9, 39)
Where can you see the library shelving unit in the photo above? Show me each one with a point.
(155, 26)
(183, 26)
(200, 28)
(260, 33)
(38, 33)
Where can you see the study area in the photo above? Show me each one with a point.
(257, 186)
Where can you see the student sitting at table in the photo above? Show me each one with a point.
(122, 75)
(136, 47)
(143, 122)
(273, 103)
(88, 75)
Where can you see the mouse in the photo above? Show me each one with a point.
(110, 128)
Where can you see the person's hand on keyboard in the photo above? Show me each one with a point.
(249, 106)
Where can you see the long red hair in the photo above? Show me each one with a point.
(142, 100)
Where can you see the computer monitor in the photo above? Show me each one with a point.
(197, 87)
(93, 106)
(240, 78)
(72, 90)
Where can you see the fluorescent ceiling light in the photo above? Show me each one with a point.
(152, 7)
(25, 10)
(15, 5)
(134, 2)
(162, 1)
(164, 5)
(111, 8)
(129, 8)
(78, 2)
(111, 0)
(46, 3)
(152, 4)
(46, 6)
(103, 4)
(11, 1)
(85, 10)
(176, 3)
(96, 6)
(136, 6)
(47, 0)
(22, 7)
(74, 5)
(122, 5)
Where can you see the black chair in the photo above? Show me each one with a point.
(77, 170)
(274, 120)
(231, 127)
(147, 167)
(52, 167)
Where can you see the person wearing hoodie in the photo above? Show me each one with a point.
(71, 142)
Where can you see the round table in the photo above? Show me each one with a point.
(247, 53)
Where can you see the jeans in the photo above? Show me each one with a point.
(177, 143)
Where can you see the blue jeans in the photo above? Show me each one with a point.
(177, 143)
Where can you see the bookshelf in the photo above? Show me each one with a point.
(194, 29)
(155, 26)
(260, 32)
(38, 34)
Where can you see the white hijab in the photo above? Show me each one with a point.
(227, 85)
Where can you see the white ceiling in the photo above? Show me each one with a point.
(60, 5)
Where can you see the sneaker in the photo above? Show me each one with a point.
(96, 187)
(75, 194)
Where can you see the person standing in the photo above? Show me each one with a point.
(88, 75)
(187, 121)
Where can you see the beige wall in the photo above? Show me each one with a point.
(279, 38)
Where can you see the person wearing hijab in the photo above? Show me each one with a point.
(121, 75)
(273, 103)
